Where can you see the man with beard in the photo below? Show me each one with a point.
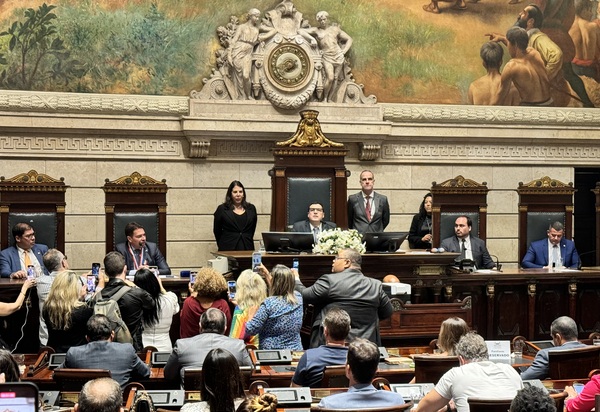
(140, 254)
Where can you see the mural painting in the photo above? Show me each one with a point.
(409, 51)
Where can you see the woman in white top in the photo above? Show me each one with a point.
(157, 322)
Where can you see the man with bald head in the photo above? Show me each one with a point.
(102, 394)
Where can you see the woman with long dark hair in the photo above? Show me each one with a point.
(9, 367)
(222, 388)
(419, 236)
(157, 322)
(235, 220)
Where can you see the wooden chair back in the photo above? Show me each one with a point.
(573, 363)
(489, 405)
(335, 377)
(429, 369)
(192, 377)
(69, 379)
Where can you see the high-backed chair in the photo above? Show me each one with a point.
(36, 199)
(573, 363)
(542, 202)
(429, 369)
(489, 405)
(335, 377)
(456, 197)
(136, 198)
(73, 380)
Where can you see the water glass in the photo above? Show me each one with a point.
(596, 342)
(518, 348)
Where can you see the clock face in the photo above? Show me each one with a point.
(289, 66)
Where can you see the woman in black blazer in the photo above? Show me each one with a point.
(235, 220)
(419, 236)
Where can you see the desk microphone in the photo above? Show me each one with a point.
(498, 264)
(580, 263)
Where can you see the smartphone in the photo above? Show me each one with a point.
(95, 269)
(193, 277)
(154, 269)
(231, 287)
(256, 261)
(31, 272)
(91, 283)
(578, 387)
(295, 264)
(21, 396)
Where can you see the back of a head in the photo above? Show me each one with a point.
(100, 395)
(98, 328)
(267, 402)
(566, 327)
(222, 380)
(491, 54)
(9, 366)
(451, 331)
(353, 256)
(209, 283)
(213, 321)
(472, 348)
(518, 37)
(532, 399)
(53, 259)
(363, 359)
(338, 323)
(283, 283)
(114, 262)
(251, 289)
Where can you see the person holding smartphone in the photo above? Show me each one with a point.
(585, 399)
(251, 291)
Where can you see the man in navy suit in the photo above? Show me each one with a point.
(139, 253)
(474, 248)
(315, 223)
(15, 259)
(564, 336)
(556, 251)
(368, 211)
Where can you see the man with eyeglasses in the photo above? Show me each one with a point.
(315, 223)
(368, 212)
(346, 287)
(15, 259)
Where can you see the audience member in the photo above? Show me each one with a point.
(360, 296)
(208, 291)
(267, 402)
(419, 236)
(65, 312)
(235, 220)
(157, 321)
(14, 260)
(100, 395)
(222, 388)
(336, 326)
(10, 308)
(361, 367)
(191, 352)
(102, 353)
(54, 261)
(564, 336)
(475, 377)
(586, 400)
(469, 246)
(140, 254)
(279, 318)
(9, 367)
(451, 331)
(251, 291)
(315, 223)
(532, 399)
(556, 251)
(368, 211)
(134, 303)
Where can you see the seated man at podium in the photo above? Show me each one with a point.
(140, 254)
(315, 223)
(469, 247)
(556, 251)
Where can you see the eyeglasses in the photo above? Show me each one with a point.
(340, 257)
(29, 236)
(315, 209)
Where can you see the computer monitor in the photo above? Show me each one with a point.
(288, 242)
(382, 242)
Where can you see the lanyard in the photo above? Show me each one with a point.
(136, 264)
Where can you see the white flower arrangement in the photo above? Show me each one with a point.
(330, 241)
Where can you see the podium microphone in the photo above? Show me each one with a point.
(498, 264)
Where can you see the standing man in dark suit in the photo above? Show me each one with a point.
(15, 259)
(368, 211)
(315, 223)
(140, 254)
(556, 251)
(470, 247)
(361, 297)
(102, 353)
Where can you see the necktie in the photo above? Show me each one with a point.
(27, 260)
(316, 234)
(368, 208)
(463, 250)
(555, 255)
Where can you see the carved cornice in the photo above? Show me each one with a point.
(546, 185)
(308, 151)
(32, 181)
(369, 151)
(459, 184)
(135, 183)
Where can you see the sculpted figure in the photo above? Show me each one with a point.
(240, 55)
(334, 43)
(309, 133)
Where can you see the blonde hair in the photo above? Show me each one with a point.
(209, 283)
(63, 299)
(251, 289)
(451, 331)
(283, 284)
(267, 402)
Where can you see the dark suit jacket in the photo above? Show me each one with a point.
(357, 218)
(228, 233)
(480, 253)
(152, 257)
(120, 358)
(191, 352)
(362, 297)
(537, 254)
(10, 261)
(540, 367)
(305, 226)
(416, 233)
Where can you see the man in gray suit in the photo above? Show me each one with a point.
(102, 353)
(346, 287)
(470, 247)
(368, 211)
(190, 352)
(564, 336)
(315, 223)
